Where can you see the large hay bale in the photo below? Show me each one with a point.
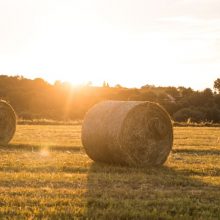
(128, 133)
(7, 122)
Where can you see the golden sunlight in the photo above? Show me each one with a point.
(109, 109)
(44, 152)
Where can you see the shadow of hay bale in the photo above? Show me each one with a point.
(116, 192)
(197, 152)
(31, 147)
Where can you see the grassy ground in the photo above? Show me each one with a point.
(45, 174)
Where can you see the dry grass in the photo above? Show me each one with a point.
(45, 173)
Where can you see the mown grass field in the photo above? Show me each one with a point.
(45, 174)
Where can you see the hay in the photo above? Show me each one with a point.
(128, 133)
(7, 122)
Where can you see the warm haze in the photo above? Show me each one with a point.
(127, 42)
(148, 148)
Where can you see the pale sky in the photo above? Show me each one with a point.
(128, 42)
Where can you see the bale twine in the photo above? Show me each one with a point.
(128, 133)
(7, 122)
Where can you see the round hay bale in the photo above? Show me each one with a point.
(128, 133)
(7, 122)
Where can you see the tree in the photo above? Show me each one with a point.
(173, 92)
(208, 93)
(147, 86)
(105, 84)
(185, 91)
(217, 85)
(118, 86)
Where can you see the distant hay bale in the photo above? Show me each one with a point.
(7, 122)
(128, 133)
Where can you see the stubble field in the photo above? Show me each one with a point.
(45, 174)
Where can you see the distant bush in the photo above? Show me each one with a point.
(29, 116)
(37, 99)
(211, 113)
(217, 100)
(199, 114)
(26, 115)
(185, 114)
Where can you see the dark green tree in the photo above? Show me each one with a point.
(217, 85)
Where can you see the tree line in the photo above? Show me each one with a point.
(37, 99)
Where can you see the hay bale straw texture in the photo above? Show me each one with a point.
(128, 133)
(7, 122)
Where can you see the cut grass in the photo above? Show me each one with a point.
(45, 174)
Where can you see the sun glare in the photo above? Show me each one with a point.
(128, 44)
(44, 153)
(149, 59)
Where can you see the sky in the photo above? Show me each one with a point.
(127, 42)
